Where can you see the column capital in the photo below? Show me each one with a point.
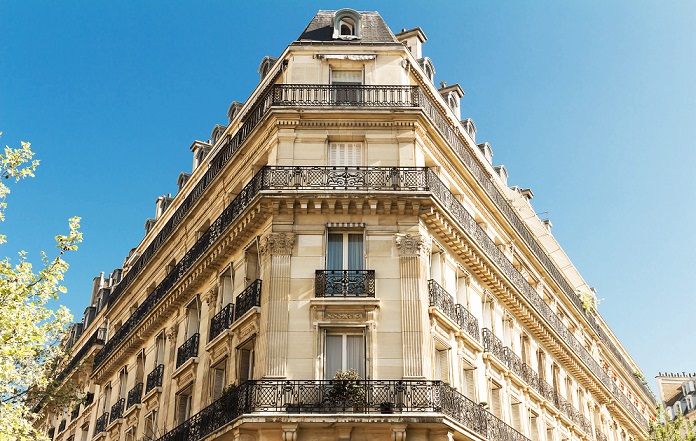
(277, 243)
(412, 244)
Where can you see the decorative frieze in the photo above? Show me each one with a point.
(278, 244)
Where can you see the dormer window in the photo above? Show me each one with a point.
(346, 25)
(428, 68)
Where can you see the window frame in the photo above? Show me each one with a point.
(344, 332)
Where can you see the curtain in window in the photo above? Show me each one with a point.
(355, 252)
(355, 354)
(334, 255)
(333, 361)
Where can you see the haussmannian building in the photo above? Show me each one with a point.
(677, 393)
(346, 220)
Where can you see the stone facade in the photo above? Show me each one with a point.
(346, 219)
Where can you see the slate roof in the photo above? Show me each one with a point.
(373, 29)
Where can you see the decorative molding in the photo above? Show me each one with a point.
(344, 315)
(412, 244)
(278, 244)
(210, 297)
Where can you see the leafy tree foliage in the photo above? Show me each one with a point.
(30, 332)
(677, 429)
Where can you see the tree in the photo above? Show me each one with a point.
(677, 429)
(31, 352)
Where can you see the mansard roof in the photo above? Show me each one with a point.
(373, 29)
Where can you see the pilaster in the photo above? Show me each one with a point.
(413, 249)
(276, 249)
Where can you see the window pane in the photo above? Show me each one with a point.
(334, 255)
(355, 354)
(334, 355)
(355, 251)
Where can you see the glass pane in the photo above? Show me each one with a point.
(355, 354)
(334, 254)
(334, 350)
(355, 251)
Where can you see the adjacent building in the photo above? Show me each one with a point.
(345, 262)
(678, 394)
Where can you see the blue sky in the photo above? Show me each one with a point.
(591, 104)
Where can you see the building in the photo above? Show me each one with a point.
(678, 394)
(346, 220)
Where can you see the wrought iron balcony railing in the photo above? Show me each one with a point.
(344, 95)
(117, 410)
(154, 378)
(249, 298)
(187, 350)
(492, 344)
(344, 283)
(221, 321)
(135, 395)
(369, 179)
(442, 300)
(101, 423)
(328, 396)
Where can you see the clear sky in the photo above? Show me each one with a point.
(591, 104)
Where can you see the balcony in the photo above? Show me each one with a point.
(344, 283)
(442, 300)
(493, 345)
(135, 395)
(154, 378)
(221, 321)
(315, 95)
(102, 422)
(249, 298)
(188, 350)
(385, 397)
(117, 410)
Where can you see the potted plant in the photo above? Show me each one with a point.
(347, 390)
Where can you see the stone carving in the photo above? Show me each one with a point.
(412, 244)
(344, 315)
(278, 244)
(211, 296)
(172, 332)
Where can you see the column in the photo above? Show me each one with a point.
(413, 252)
(276, 249)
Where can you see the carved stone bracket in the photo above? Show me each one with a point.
(278, 244)
(412, 244)
(210, 297)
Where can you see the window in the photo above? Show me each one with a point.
(226, 287)
(533, 426)
(106, 399)
(251, 262)
(193, 318)
(84, 432)
(541, 364)
(346, 88)
(159, 349)
(516, 414)
(344, 351)
(441, 365)
(496, 399)
(346, 27)
(183, 405)
(345, 154)
(550, 435)
(345, 251)
(525, 349)
(130, 433)
(470, 382)
(245, 357)
(150, 430)
(218, 376)
(346, 24)
(122, 383)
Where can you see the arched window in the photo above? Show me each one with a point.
(346, 25)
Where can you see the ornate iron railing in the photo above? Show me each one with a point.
(514, 362)
(250, 297)
(187, 350)
(442, 300)
(101, 423)
(344, 283)
(494, 345)
(154, 378)
(344, 95)
(135, 395)
(328, 396)
(345, 178)
(221, 321)
(117, 409)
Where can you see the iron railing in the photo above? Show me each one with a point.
(135, 395)
(249, 298)
(117, 409)
(221, 321)
(154, 378)
(343, 397)
(345, 178)
(101, 423)
(442, 300)
(187, 350)
(492, 344)
(344, 95)
(344, 283)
